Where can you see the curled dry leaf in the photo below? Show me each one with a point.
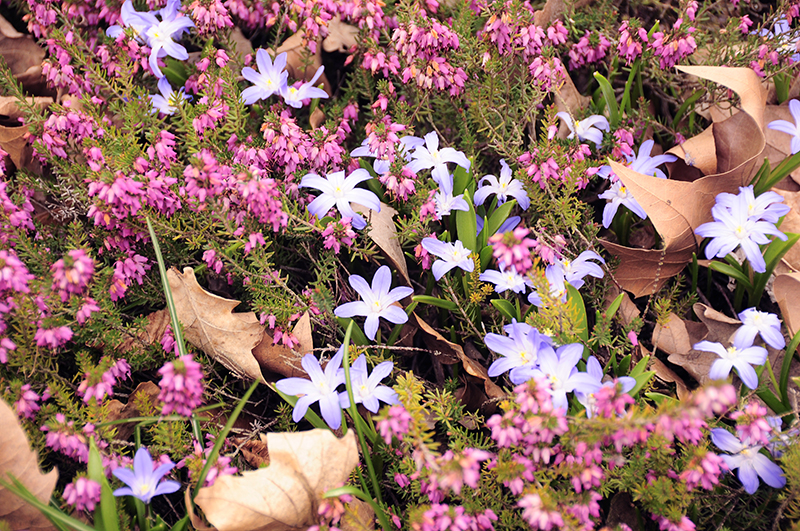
(118, 411)
(665, 374)
(19, 51)
(14, 141)
(254, 451)
(677, 207)
(743, 81)
(10, 110)
(791, 223)
(18, 460)
(787, 293)
(210, 324)
(676, 339)
(383, 232)
(157, 323)
(285, 495)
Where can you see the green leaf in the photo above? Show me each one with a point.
(359, 338)
(105, 516)
(689, 103)
(485, 257)
(611, 99)
(461, 178)
(434, 301)
(498, 217)
(731, 272)
(175, 72)
(612, 309)
(505, 307)
(574, 298)
(658, 398)
(467, 226)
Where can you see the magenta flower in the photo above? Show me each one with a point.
(181, 386)
(270, 79)
(143, 481)
(340, 192)
(377, 301)
(367, 388)
(588, 399)
(72, 273)
(451, 255)
(52, 337)
(83, 494)
(752, 464)
(740, 356)
(321, 388)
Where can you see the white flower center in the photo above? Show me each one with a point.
(740, 232)
(376, 307)
(733, 353)
(458, 255)
(338, 192)
(435, 157)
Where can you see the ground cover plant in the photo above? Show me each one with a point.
(354, 264)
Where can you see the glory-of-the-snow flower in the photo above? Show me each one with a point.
(367, 388)
(451, 255)
(143, 481)
(752, 464)
(167, 102)
(429, 156)
(270, 79)
(733, 227)
(340, 192)
(294, 96)
(742, 355)
(377, 301)
(756, 322)
(588, 129)
(322, 388)
(504, 188)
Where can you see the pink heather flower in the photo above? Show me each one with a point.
(83, 494)
(210, 16)
(181, 386)
(537, 516)
(396, 422)
(211, 260)
(338, 232)
(751, 423)
(744, 24)
(402, 480)
(63, 437)
(222, 467)
(630, 41)
(27, 405)
(86, 310)
(591, 48)
(704, 471)
(513, 249)
(671, 49)
(6, 346)
(557, 33)
(668, 525)
(14, 275)
(52, 337)
(72, 273)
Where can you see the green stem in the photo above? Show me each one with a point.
(379, 512)
(354, 413)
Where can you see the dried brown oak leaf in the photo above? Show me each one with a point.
(18, 460)
(285, 495)
(119, 411)
(383, 232)
(787, 292)
(210, 324)
(676, 339)
(677, 207)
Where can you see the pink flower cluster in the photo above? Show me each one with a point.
(443, 517)
(394, 424)
(338, 232)
(83, 494)
(71, 274)
(210, 16)
(591, 48)
(672, 49)
(423, 44)
(631, 39)
(197, 460)
(62, 436)
(181, 386)
(751, 423)
(513, 249)
(98, 385)
(28, 403)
